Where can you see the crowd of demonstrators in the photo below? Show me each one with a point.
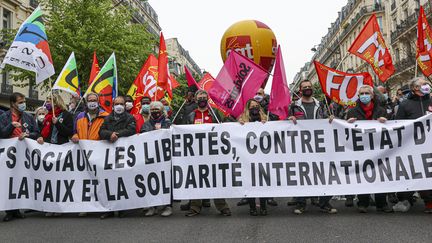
(57, 123)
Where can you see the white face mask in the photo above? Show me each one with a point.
(119, 109)
(40, 118)
(129, 106)
(92, 105)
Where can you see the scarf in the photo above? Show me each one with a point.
(368, 110)
(47, 123)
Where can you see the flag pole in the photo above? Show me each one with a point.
(211, 109)
(52, 96)
(184, 102)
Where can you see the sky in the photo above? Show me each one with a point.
(200, 24)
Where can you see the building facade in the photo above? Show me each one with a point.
(13, 13)
(179, 58)
(398, 23)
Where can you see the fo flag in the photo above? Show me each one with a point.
(280, 97)
(339, 86)
(105, 84)
(68, 78)
(424, 40)
(236, 83)
(370, 46)
(145, 84)
(30, 49)
(206, 83)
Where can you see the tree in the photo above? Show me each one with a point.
(84, 26)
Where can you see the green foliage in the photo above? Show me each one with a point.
(84, 26)
(318, 94)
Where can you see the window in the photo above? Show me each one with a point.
(397, 54)
(6, 19)
(380, 20)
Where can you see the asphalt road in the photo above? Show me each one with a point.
(281, 225)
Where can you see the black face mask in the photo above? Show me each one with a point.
(156, 115)
(254, 114)
(307, 92)
(202, 103)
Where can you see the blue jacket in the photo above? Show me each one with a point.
(28, 124)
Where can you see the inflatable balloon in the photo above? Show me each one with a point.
(252, 39)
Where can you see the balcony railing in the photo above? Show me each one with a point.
(408, 23)
(34, 3)
(404, 64)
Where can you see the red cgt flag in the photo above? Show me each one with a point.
(190, 79)
(424, 40)
(339, 86)
(145, 84)
(95, 68)
(370, 46)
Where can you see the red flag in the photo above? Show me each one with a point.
(95, 68)
(339, 86)
(163, 70)
(237, 82)
(280, 97)
(190, 79)
(424, 40)
(206, 83)
(370, 46)
(145, 84)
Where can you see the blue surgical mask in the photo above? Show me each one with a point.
(22, 107)
(145, 108)
(365, 99)
(385, 96)
(167, 108)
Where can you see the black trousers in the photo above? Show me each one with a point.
(380, 200)
(263, 203)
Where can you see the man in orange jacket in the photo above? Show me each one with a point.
(88, 123)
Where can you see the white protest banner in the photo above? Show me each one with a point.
(91, 176)
(312, 158)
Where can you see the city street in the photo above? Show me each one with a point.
(281, 225)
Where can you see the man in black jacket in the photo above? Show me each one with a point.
(369, 108)
(17, 123)
(117, 125)
(307, 107)
(417, 104)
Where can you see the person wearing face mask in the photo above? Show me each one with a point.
(254, 113)
(417, 104)
(158, 120)
(306, 108)
(368, 108)
(88, 123)
(16, 123)
(203, 115)
(57, 126)
(117, 125)
(167, 107)
(129, 103)
(189, 106)
(144, 115)
(75, 107)
(40, 114)
(386, 102)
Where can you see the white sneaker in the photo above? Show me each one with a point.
(150, 212)
(402, 206)
(167, 211)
